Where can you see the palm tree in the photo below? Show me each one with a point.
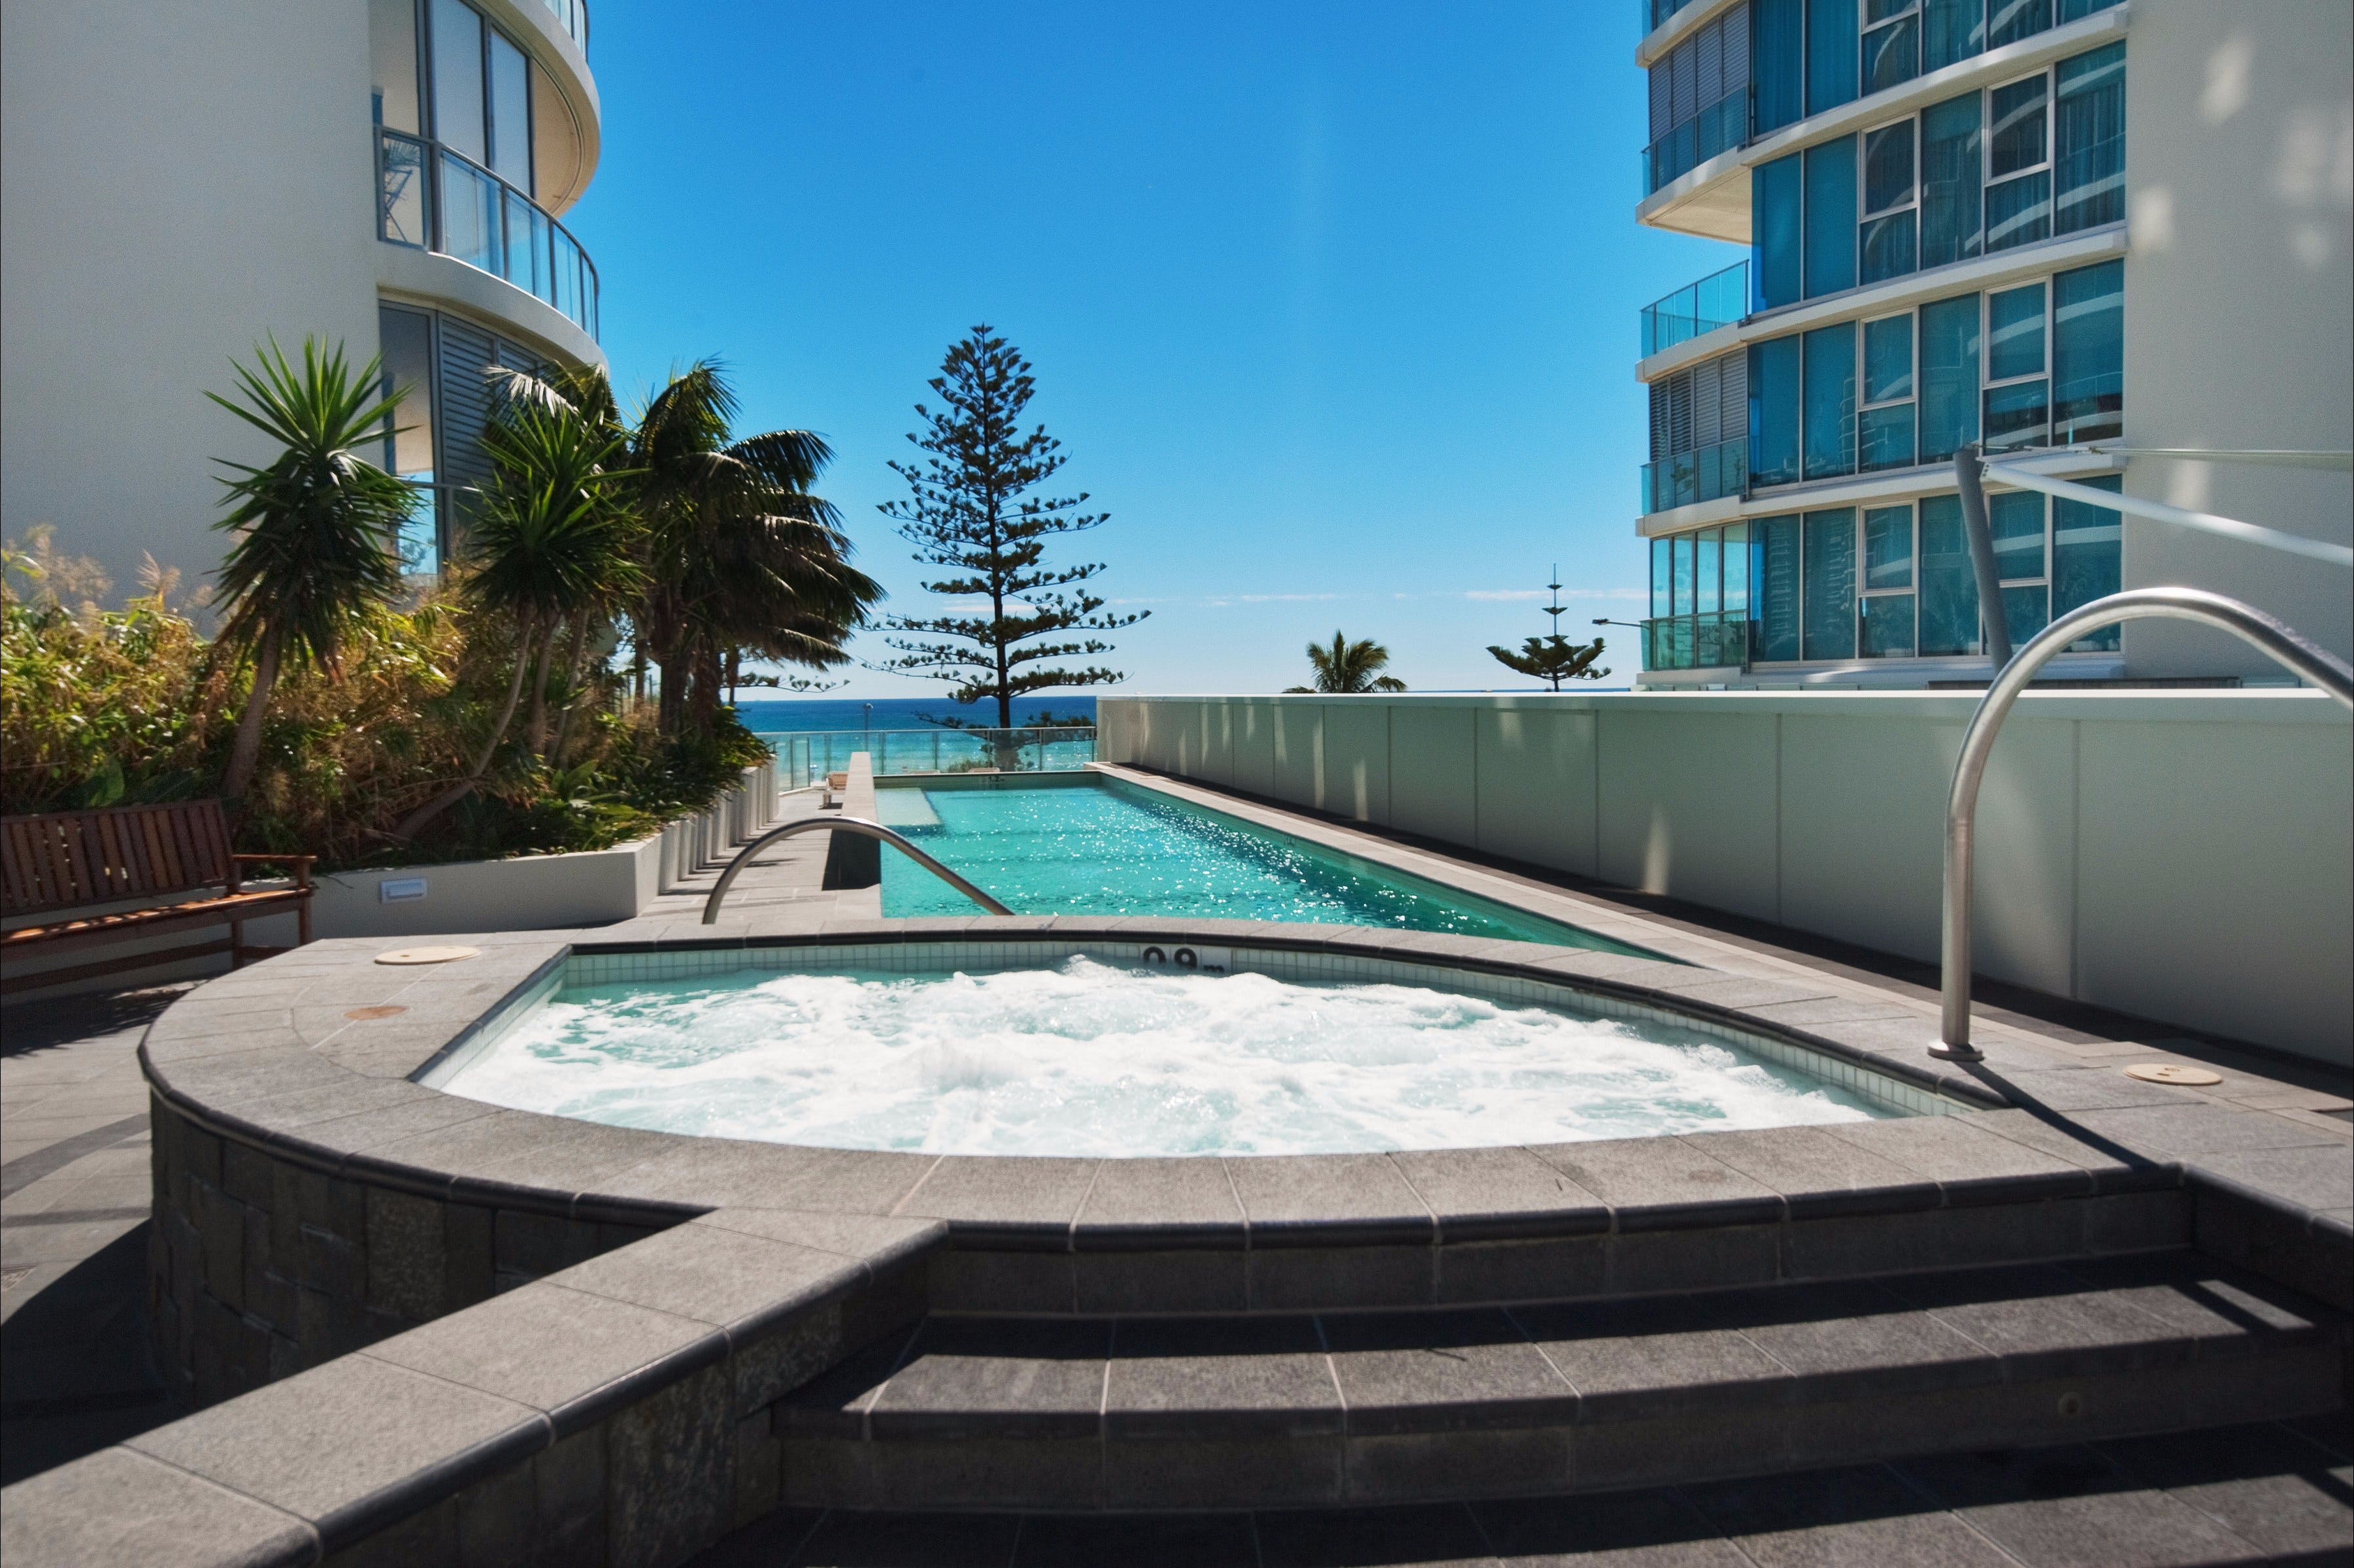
(552, 544)
(317, 526)
(739, 555)
(1349, 669)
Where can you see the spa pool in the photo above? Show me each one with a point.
(938, 1048)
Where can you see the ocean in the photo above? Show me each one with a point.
(801, 715)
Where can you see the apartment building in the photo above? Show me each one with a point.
(2101, 240)
(182, 180)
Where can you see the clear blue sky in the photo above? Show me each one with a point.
(1333, 306)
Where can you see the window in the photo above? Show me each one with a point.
(1776, 196)
(392, 57)
(406, 346)
(1884, 615)
(1679, 574)
(1829, 613)
(1949, 587)
(1891, 194)
(2018, 392)
(2007, 21)
(1661, 558)
(2015, 518)
(1778, 588)
(1699, 429)
(458, 122)
(1736, 567)
(2088, 372)
(1949, 376)
(1778, 62)
(1699, 98)
(1773, 397)
(1951, 30)
(1829, 434)
(1831, 216)
(1709, 597)
(1891, 43)
(1886, 425)
(2018, 173)
(509, 80)
(2087, 544)
(1832, 47)
(2088, 140)
(1950, 159)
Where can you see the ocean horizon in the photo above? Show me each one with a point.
(805, 715)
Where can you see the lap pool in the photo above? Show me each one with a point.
(1106, 847)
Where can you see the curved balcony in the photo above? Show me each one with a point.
(572, 16)
(431, 198)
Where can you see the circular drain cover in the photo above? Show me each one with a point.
(365, 1013)
(2171, 1073)
(425, 955)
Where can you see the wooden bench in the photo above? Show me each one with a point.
(60, 861)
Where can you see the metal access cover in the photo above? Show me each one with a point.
(427, 955)
(2171, 1073)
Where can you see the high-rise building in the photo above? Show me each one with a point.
(2089, 236)
(182, 180)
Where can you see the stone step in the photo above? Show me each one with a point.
(2271, 1492)
(1069, 1414)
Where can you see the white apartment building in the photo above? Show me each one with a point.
(179, 180)
(2084, 234)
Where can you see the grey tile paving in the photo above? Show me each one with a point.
(1264, 1375)
(118, 1509)
(2071, 1507)
(1629, 1360)
(1970, 1164)
(1655, 1182)
(1018, 1378)
(1425, 1371)
(719, 1277)
(1817, 1175)
(1488, 1193)
(2318, 1176)
(1162, 1202)
(1353, 1197)
(2200, 1129)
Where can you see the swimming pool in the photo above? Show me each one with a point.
(1105, 847)
(1091, 1055)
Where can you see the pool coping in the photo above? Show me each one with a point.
(268, 1057)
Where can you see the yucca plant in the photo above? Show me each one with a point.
(317, 526)
(553, 542)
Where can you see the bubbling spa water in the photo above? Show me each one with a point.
(1092, 1059)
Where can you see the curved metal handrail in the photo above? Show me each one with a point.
(864, 829)
(2284, 644)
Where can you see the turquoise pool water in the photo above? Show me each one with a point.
(1103, 849)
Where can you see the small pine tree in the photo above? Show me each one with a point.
(971, 509)
(1553, 657)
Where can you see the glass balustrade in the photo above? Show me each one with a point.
(1718, 128)
(806, 757)
(466, 212)
(1713, 641)
(1717, 301)
(1686, 479)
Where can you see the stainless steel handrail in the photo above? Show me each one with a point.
(2284, 644)
(862, 828)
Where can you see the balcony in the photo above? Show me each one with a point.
(1713, 641)
(1719, 300)
(572, 15)
(1656, 12)
(1687, 479)
(1718, 128)
(465, 212)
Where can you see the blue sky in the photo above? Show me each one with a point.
(1333, 307)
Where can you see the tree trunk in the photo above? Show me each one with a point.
(247, 752)
(544, 658)
(574, 671)
(407, 828)
(670, 705)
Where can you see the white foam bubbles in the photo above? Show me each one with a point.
(1090, 1059)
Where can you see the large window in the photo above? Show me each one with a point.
(1700, 599)
(1832, 47)
(1830, 616)
(1778, 588)
(1891, 43)
(2021, 162)
(1699, 420)
(2041, 363)
(1699, 98)
(407, 346)
(1885, 614)
(446, 373)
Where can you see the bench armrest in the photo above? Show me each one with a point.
(301, 863)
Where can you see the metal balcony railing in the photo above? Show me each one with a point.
(435, 200)
(1718, 640)
(1687, 478)
(1719, 300)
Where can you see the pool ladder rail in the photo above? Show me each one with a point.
(858, 826)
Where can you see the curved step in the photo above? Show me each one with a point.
(1284, 1411)
(2276, 1492)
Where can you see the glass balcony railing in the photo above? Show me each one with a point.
(1655, 12)
(428, 197)
(1688, 478)
(805, 758)
(1718, 128)
(1717, 301)
(572, 15)
(1717, 641)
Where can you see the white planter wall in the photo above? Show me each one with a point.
(2186, 856)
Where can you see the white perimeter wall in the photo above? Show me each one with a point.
(176, 180)
(2184, 856)
(2240, 306)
